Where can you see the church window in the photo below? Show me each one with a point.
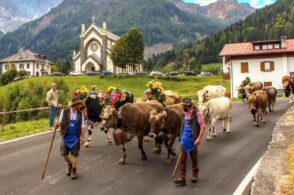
(94, 47)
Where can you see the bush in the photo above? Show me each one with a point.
(8, 76)
(22, 74)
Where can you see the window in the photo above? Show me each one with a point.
(37, 66)
(42, 66)
(244, 67)
(270, 46)
(268, 84)
(21, 66)
(6, 67)
(267, 66)
(277, 46)
(264, 46)
(28, 66)
(256, 47)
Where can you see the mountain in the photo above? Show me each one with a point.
(164, 23)
(14, 13)
(270, 22)
(1, 34)
(227, 11)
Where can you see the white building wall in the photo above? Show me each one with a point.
(77, 64)
(290, 64)
(97, 52)
(255, 74)
(92, 35)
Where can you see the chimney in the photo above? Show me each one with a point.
(104, 25)
(83, 28)
(283, 42)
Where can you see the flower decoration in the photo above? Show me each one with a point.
(113, 96)
(81, 93)
(155, 90)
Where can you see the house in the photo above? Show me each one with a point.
(95, 49)
(265, 61)
(34, 64)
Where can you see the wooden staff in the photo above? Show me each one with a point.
(50, 148)
(178, 161)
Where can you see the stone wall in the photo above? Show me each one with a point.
(272, 171)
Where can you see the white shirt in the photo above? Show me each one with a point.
(73, 116)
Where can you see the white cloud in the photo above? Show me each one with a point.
(253, 3)
(204, 2)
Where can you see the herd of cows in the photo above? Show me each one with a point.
(163, 120)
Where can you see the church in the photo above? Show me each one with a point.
(95, 49)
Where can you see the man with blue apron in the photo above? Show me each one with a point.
(72, 126)
(191, 135)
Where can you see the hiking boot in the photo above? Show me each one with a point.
(68, 173)
(74, 173)
(194, 178)
(180, 181)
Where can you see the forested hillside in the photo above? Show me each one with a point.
(270, 22)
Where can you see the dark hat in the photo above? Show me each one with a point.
(187, 102)
(75, 101)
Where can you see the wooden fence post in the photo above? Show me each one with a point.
(2, 123)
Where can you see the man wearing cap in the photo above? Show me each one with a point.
(192, 132)
(72, 126)
(53, 101)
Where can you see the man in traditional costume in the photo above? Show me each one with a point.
(190, 138)
(53, 101)
(72, 126)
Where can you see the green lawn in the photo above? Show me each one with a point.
(21, 129)
(213, 68)
(136, 85)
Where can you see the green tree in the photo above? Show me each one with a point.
(22, 74)
(135, 48)
(119, 53)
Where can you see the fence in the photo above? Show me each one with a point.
(6, 113)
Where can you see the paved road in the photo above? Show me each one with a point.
(224, 162)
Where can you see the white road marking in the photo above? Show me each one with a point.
(26, 137)
(243, 185)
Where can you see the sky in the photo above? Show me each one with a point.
(253, 3)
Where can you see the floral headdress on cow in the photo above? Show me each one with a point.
(155, 90)
(114, 97)
(81, 93)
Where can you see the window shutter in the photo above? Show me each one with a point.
(272, 66)
(262, 68)
(244, 67)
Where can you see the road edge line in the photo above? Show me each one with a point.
(248, 178)
(25, 137)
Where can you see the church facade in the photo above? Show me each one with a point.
(95, 49)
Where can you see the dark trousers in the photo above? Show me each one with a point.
(193, 156)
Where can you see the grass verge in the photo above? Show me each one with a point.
(20, 129)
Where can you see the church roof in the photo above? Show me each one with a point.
(26, 55)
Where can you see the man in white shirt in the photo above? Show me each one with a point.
(72, 127)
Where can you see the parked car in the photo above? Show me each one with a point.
(205, 74)
(91, 73)
(190, 73)
(106, 72)
(75, 74)
(156, 73)
(172, 73)
(141, 73)
(57, 74)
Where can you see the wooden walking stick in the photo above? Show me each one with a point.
(50, 148)
(176, 167)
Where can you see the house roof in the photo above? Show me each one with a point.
(25, 55)
(239, 49)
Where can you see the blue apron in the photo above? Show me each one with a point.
(187, 140)
(71, 137)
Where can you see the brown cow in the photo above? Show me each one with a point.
(248, 89)
(169, 98)
(169, 121)
(132, 120)
(272, 96)
(257, 103)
